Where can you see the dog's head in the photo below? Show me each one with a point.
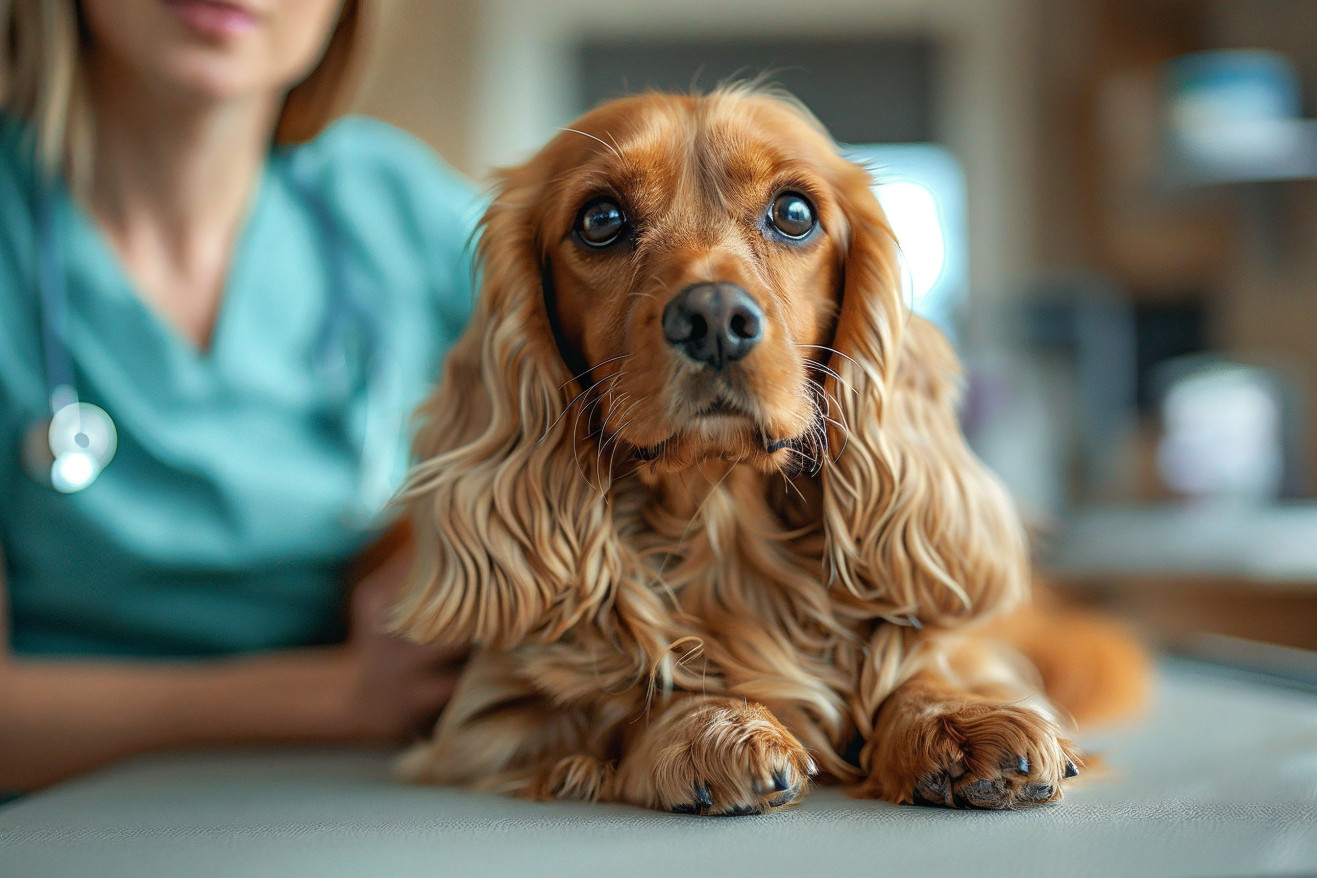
(691, 254)
(672, 280)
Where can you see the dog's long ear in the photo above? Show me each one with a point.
(916, 525)
(512, 542)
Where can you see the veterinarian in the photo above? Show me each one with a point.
(217, 310)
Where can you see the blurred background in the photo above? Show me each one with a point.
(1110, 205)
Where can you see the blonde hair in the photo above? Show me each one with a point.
(42, 70)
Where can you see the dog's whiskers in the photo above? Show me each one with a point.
(612, 460)
(817, 433)
(611, 378)
(605, 439)
(834, 352)
(590, 369)
(787, 480)
(830, 372)
(614, 437)
(613, 149)
(587, 413)
(841, 425)
(584, 411)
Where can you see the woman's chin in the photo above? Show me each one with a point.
(211, 76)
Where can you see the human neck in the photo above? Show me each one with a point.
(171, 182)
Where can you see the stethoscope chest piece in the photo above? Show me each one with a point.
(69, 451)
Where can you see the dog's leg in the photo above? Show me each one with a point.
(713, 755)
(970, 729)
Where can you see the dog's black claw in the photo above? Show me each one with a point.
(740, 811)
(983, 794)
(933, 789)
(1070, 769)
(1022, 765)
(1040, 792)
(781, 780)
(702, 795)
(691, 808)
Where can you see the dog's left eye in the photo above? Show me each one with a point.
(792, 215)
(601, 222)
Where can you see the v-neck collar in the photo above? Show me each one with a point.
(92, 247)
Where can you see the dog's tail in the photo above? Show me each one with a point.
(417, 763)
(1092, 666)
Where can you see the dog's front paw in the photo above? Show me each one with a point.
(977, 755)
(725, 758)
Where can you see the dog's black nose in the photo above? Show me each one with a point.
(714, 323)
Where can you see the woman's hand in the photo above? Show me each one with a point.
(397, 687)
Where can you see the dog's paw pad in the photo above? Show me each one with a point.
(993, 757)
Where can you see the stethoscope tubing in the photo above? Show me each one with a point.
(52, 285)
(344, 309)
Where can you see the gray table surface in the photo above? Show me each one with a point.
(1220, 779)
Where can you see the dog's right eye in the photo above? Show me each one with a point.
(600, 223)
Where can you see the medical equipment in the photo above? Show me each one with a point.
(69, 450)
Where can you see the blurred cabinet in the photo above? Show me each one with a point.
(1109, 203)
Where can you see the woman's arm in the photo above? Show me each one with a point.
(61, 718)
(58, 718)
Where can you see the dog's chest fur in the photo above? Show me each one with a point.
(734, 601)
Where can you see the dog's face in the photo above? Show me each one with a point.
(693, 259)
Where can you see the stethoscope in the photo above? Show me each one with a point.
(69, 450)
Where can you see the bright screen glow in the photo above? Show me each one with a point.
(912, 210)
(922, 190)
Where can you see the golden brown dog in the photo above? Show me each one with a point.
(694, 484)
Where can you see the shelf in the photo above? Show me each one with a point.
(1275, 545)
(1292, 144)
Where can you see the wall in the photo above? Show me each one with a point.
(420, 76)
(487, 83)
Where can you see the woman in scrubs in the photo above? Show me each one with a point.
(168, 161)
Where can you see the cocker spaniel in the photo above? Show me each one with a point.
(694, 485)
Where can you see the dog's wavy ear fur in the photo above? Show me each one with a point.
(916, 526)
(512, 542)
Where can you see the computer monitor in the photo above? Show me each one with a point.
(922, 190)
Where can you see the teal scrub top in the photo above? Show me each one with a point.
(225, 520)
